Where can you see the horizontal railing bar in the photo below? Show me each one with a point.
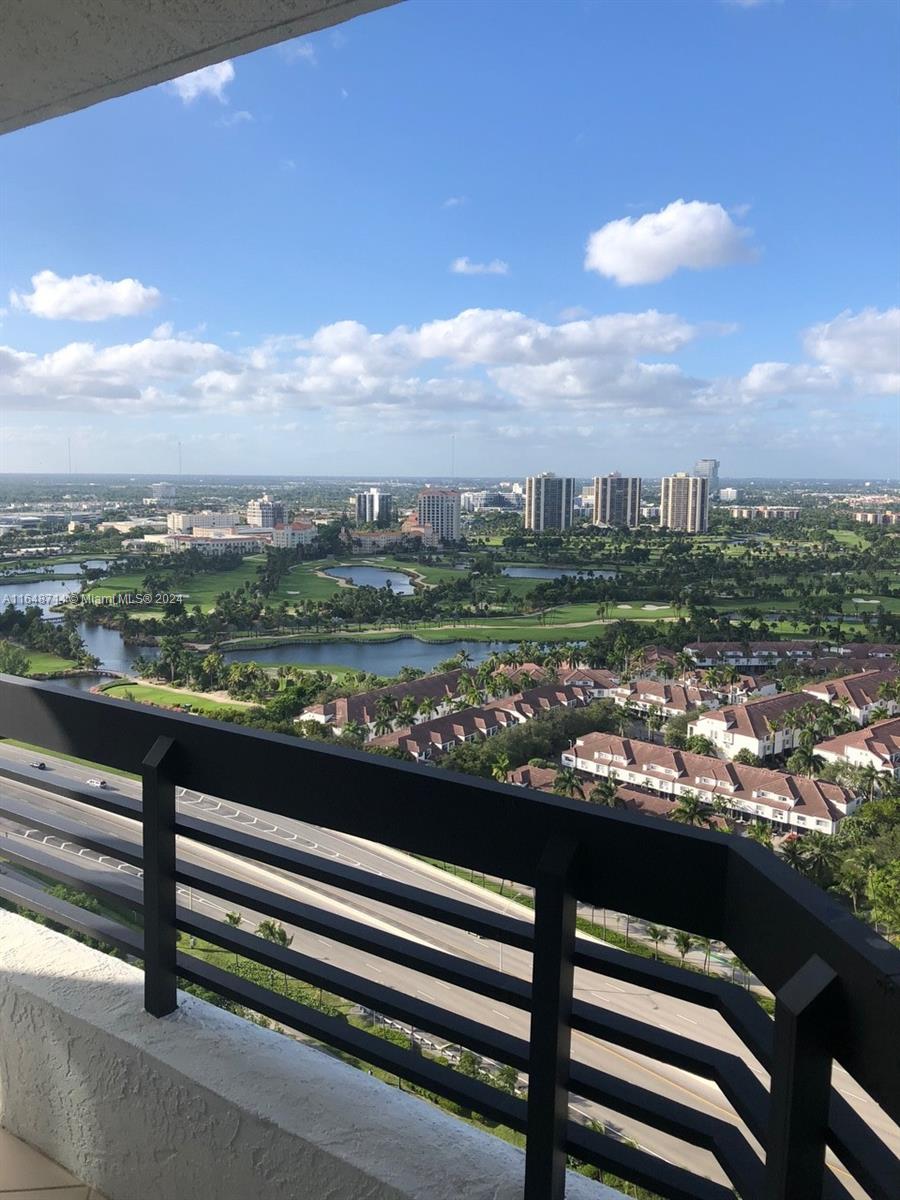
(586, 1081)
(732, 1075)
(405, 952)
(734, 1004)
(88, 924)
(640, 1167)
(862, 1151)
(70, 829)
(510, 930)
(725, 1141)
(336, 1032)
(421, 1014)
(33, 857)
(107, 799)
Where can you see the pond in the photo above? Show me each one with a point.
(373, 577)
(66, 570)
(555, 573)
(380, 658)
(45, 593)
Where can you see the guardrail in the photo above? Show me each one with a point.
(836, 982)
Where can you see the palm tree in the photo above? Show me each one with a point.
(791, 852)
(354, 732)
(819, 854)
(605, 791)
(385, 712)
(500, 767)
(684, 664)
(704, 944)
(568, 784)
(805, 761)
(657, 934)
(761, 833)
(684, 943)
(691, 810)
(428, 707)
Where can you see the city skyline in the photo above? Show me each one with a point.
(537, 290)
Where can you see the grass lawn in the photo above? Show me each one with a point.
(145, 693)
(202, 589)
(302, 583)
(40, 662)
(429, 574)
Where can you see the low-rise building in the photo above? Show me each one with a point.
(667, 699)
(759, 726)
(790, 803)
(858, 695)
(185, 522)
(298, 533)
(427, 741)
(875, 746)
(362, 709)
(765, 654)
(598, 682)
(766, 512)
(214, 547)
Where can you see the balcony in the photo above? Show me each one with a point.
(739, 1104)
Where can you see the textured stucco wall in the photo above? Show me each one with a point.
(203, 1104)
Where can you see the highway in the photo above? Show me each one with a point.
(612, 995)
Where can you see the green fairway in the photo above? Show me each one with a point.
(202, 589)
(145, 693)
(40, 662)
(302, 583)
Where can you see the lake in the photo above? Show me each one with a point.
(45, 593)
(555, 573)
(373, 577)
(381, 658)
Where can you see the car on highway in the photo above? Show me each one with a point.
(41, 766)
(101, 783)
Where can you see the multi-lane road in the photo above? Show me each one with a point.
(609, 994)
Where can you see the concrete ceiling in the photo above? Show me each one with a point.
(57, 56)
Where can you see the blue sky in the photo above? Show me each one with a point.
(634, 235)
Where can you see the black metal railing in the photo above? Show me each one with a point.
(836, 982)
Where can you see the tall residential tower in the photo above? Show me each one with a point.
(374, 507)
(708, 469)
(617, 500)
(684, 503)
(549, 502)
(439, 508)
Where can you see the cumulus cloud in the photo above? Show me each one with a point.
(454, 201)
(864, 346)
(84, 297)
(208, 81)
(464, 266)
(685, 234)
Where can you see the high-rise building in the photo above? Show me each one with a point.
(439, 508)
(374, 507)
(549, 502)
(265, 512)
(617, 500)
(684, 503)
(728, 494)
(708, 469)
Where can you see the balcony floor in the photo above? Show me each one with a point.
(26, 1174)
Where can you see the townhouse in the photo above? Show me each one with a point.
(428, 740)
(764, 654)
(667, 699)
(858, 695)
(362, 709)
(599, 683)
(875, 746)
(790, 803)
(761, 726)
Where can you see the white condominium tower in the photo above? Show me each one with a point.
(439, 508)
(617, 500)
(265, 512)
(549, 502)
(374, 507)
(684, 502)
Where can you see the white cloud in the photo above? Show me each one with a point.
(208, 81)
(241, 117)
(779, 379)
(650, 248)
(84, 297)
(464, 266)
(299, 51)
(454, 201)
(865, 346)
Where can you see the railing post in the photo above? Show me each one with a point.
(801, 1084)
(160, 934)
(551, 1029)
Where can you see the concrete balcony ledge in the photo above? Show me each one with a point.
(203, 1103)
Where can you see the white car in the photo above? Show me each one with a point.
(96, 783)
